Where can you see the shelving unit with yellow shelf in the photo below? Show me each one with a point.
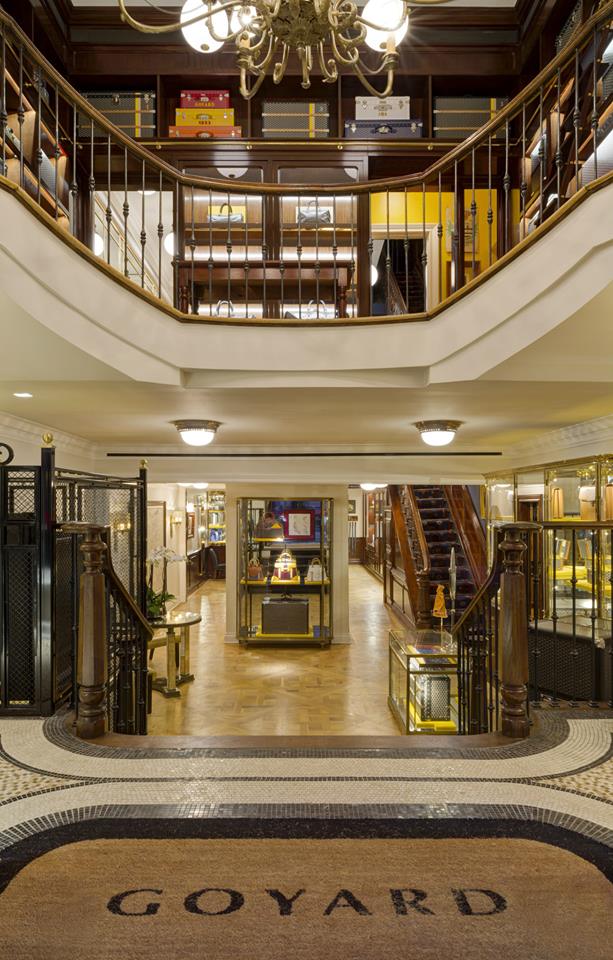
(423, 683)
(312, 598)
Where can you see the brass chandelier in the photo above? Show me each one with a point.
(266, 32)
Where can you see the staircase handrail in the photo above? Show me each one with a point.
(455, 155)
(492, 583)
(127, 600)
(419, 530)
(470, 530)
(416, 569)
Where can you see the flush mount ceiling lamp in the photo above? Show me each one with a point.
(373, 486)
(265, 33)
(197, 433)
(438, 433)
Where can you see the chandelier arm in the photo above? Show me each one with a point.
(347, 61)
(328, 67)
(372, 90)
(281, 66)
(246, 92)
(256, 47)
(263, 65)
(372, 71)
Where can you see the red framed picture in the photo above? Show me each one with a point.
(299, 524)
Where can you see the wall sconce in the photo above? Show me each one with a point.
(176, 518)
(121, 523)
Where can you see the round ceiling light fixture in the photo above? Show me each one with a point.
(372, 486)
(438, 433)
(197, 433)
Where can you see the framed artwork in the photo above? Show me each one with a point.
(299, 524)
(190, 525)
(352, 507)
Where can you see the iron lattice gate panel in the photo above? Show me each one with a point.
(20, 633)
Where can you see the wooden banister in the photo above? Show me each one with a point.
(416, 568)
(470, 530)
(456, 155)
(92, 657)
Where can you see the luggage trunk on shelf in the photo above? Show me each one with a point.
(295, 120)
(455, 118)
(285, 616)
(384, 129)
(390, 108)
(134, 112)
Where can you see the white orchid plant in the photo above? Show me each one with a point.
(157, 599)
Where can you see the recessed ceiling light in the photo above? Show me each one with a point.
(23, 396)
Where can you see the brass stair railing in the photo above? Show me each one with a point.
(301, 255)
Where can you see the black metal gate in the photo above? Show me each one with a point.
(40, 568)
(24, 644)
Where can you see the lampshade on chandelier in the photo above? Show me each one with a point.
(265, 33)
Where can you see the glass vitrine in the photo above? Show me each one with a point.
(285, 587)
(423, 682)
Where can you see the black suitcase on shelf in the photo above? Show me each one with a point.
(285, 615)
(434, 698)
(384, 129)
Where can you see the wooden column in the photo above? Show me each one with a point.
(514, 632)
(92, 660)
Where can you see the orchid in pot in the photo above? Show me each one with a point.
(157, 599)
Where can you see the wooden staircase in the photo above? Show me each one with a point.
(429, 522)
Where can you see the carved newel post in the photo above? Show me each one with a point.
(514, 634)
(92, 660)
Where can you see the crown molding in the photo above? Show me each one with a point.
(589, 437)
(30, 431)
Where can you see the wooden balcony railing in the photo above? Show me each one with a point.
(242, 252)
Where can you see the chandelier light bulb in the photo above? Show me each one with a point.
(197, 433)
(198, 35)
(438, 433)
(98, 245)
(374, 274)
(241, 18)
(169, 244)
(389, 16)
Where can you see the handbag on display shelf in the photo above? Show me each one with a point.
(310, 313)
(229, 307)
(254, 569)
(269, 527)
(313, 216)
(315, 573)
(225, 218)
(285, 568)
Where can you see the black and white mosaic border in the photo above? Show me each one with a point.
(186, 820)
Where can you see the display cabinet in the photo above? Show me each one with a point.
(423, 682)
(285, 587)
(374, 548)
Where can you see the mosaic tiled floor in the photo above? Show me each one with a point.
(562, 775)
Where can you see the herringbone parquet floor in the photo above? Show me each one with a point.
(290, 691)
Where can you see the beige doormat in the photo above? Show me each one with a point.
(307, 899)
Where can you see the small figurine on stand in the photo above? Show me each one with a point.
(439, 609)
